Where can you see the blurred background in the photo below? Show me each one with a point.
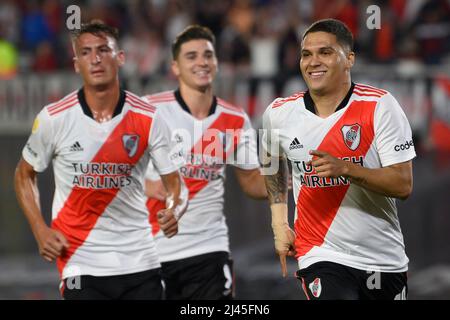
(258, 50)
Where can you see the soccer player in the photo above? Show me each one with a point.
(100, 140)
(351, 148)
(210, 133)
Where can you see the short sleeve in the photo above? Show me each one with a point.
(247, 150)
(151, 173)
(163, 152)
(40, 147)
(393, 136)
(270, 136)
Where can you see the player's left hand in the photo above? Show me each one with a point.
(167, 222)
(327, 166)
(284, 238)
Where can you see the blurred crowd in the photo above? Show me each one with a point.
(254, 37)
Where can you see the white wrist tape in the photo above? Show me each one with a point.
(279, 214)
(283, 235)
(179, 209)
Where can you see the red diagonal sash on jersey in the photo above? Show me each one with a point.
(83, 207)
(317, 207)
(154, 206)
(222, 123)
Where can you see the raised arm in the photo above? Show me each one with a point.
(392, 181)
(51, 242)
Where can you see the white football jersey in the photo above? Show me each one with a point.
(335, 220)
(99, 168)
(224, 137)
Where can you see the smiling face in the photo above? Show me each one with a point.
(196, 64)
(324, 63)
(97, 59)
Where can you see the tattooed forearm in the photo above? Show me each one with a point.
(277, 184)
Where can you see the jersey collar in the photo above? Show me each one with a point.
(87, 111)
(184, 106)
(309, 103)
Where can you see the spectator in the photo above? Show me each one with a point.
(45, 59)
(9, 20)
(144, 50)
(8, 60)
(432, 31)
(35, 27)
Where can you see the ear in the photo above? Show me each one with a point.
(175, 68)
(351, 59)
(75, 65)
(75, 59)
(121, 58)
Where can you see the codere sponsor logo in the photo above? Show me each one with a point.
(309, 178)
(31, 151)
(404, 146)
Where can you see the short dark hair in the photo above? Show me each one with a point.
(98, 28)
(338, 28)
(192, 32)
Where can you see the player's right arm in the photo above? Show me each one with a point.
(284, 236)
(176, 203)
(51, 243)
(164, 164)
(275, 169)
(37, 154)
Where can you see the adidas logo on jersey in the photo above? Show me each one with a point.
(76, 147)
(295, 144)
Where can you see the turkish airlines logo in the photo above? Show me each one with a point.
(352, 136)
(130, 143)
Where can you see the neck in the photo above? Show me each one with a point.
(327, 102)
(198, 101)
(102, 101)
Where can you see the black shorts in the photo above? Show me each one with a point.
(332, 281)
(204, 277)
(144, 285)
